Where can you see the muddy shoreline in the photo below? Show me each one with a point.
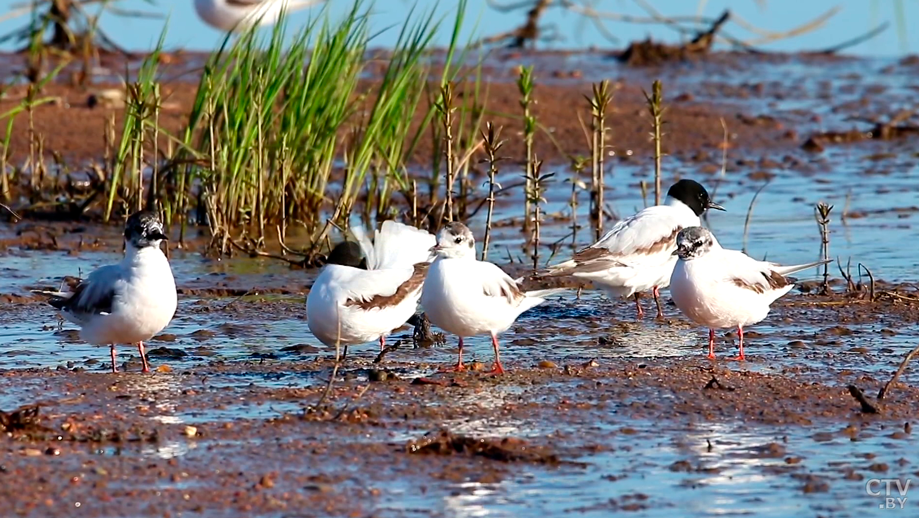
(599, 413)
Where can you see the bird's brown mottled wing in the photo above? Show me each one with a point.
(382, 301)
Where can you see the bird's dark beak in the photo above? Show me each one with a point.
(676, 252)
(713, 205)
(434, 249)
(156, 234)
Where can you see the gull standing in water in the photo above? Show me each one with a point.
(468, 297)
(237, 15)
(366, 290)
(721, 288)
(128, 302)
(636, 255)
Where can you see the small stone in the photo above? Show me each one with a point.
(879, 467)
(546, 364)
(164, 369)
(191, 431)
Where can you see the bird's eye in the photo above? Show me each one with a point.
(458, 240)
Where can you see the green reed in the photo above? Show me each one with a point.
(141, 104)
(535, 195)
(491, 139)
(27, 104)
(599, 101)
(525, 85)
(655, 102)
(292, 134)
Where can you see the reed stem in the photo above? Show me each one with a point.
(656, 109)
(493, 143)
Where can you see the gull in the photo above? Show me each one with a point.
(467, 297)
(636, 255)
(237, 15)
(721, 288)
(128, 302)
(366, 290)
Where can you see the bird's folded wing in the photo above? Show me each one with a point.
(379, 289)
(495, 282)
(94, 295)
(246, 3)
(649, 236)
(748, 273)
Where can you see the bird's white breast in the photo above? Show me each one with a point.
(144, 303)
(702, 292)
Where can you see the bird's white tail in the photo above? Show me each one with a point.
(785, 270)
(395, 246)
(535, 298)
(545, 293)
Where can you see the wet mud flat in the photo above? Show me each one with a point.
(585, 423)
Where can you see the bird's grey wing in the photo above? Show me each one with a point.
(94, 295)
(496, 282)
(245, 3)
(648, 237)
(748, 273)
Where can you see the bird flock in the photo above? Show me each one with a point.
(371, 287)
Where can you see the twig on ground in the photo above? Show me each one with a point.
(870, 279)
(715, 384)
(867, 406)
(886, 388)
(746, 223)
(353, 400)
(11, 211)
(338, 360)
(386, 350)
(237, 299)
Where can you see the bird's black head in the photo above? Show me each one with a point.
(348, 253)
(144, 229)
(693, 195)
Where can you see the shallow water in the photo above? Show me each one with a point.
(649, 469)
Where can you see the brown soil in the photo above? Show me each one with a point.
(75, 131)
(84, 444)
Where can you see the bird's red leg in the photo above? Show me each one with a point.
(382, 342)
(459, 367)
(657, 300)
(112, 351)
(497, 369)
(740, 355)
(143, 356)
(641, 312)
(711, 344)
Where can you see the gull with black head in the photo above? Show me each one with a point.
(636, 255)
(468, 297)
(128, 302)
(721, 288)
(366, 290)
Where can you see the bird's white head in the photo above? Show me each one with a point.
(144, 229)
(694, 242)
(455, 241)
